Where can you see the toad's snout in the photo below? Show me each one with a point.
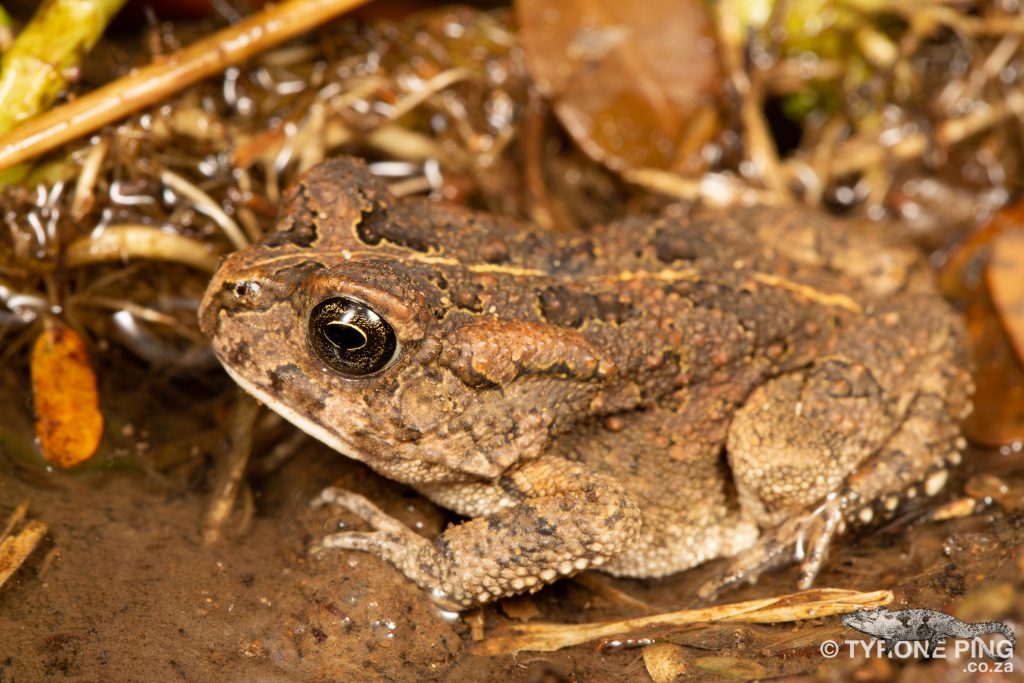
(238, 287)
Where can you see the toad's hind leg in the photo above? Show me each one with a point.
(545, 519)
(669, 460)
(846, 439)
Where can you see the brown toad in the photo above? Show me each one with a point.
(642, 397)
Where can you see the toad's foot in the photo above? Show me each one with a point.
(413, 555)
(559, 518)
(804, 539)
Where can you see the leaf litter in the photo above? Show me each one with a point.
(905, 110)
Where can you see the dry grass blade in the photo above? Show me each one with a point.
(204, 204)
(810, 604)
(127, 242)
(160, 79)
(14, 549)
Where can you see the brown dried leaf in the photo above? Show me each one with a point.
(959, 277)
(987, 486)
(986, 259)
(987, 602)
(632, 82)
(1005, 278)
(998, 415)
(68, 419)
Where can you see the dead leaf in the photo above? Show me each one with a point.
(960, 276)
(998, 415)
(987, 486)
(990, 261)
(68, 419)
(1005, 278)
(987, 602)
(633, 83)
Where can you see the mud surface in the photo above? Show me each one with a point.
(124, 588)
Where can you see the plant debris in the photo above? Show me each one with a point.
(161, 79)
(15, 549)
(1006, 285)
(905, 110)
(635, 85)
(812, 604)
(69, 424)
(35, 68)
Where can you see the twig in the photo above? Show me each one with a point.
(84, 196)
(811, 604)
(749, 87)
(155, 82)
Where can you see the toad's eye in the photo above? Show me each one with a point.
(351, 338)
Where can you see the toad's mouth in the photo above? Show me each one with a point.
(303, 422)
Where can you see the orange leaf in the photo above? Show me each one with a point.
(1005, 278)
(985, 273)
(68, 419)
(998, 416)
(957, 276)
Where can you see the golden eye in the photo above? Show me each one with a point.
(351, 338)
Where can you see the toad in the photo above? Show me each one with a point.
(640, 398)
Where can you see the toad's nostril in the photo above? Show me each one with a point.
(247, 290)
(229, 297)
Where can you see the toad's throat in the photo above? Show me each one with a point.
(303, 422)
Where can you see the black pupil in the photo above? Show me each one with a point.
(350, 337)
(345, 336)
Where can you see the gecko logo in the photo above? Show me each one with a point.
(915, 632)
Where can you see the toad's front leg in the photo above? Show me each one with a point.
(545, 519)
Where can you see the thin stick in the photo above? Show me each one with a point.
(157, 81)
(811, 604)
